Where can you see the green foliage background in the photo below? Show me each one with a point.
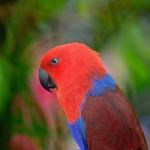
(120, 26)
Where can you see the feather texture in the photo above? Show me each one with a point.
(77, 129)
(98, 114)
(107, 121)
(111, 123)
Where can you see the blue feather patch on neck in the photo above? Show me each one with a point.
(100, 85)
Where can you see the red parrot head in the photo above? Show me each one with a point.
(70, 69)
(68, 63)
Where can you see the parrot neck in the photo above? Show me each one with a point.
(100, 85)
(71, 95)
(72, 98)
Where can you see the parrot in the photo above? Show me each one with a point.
(98, 114)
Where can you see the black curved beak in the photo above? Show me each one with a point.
(46, 81)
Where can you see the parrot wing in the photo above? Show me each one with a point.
(111, 124)
(77, 130)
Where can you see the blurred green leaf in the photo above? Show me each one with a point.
(5, 77)
(21, 22)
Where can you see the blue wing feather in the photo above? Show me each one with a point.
(77, 130)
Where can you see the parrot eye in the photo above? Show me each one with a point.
(54, 61)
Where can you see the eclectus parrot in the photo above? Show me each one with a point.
(98, 114)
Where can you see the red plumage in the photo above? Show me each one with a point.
(77, 62)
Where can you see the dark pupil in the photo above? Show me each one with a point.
(54, 61)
